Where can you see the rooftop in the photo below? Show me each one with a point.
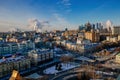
(11, 59)
(39, 51)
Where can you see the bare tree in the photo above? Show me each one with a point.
(66, 59)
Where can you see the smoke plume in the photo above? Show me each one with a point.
(37, 25)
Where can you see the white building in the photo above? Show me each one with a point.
(82, 41)
(112, 38)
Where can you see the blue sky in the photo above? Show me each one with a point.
(59, 13)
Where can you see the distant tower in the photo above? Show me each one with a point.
(93, 26)
(81, 27)
(99, 26)
(88, 26)
(66, 29)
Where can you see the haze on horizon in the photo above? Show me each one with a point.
(57, 13)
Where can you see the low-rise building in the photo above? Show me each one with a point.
(39, 55)
(116, 30)
(26, 45)
(86, 47)
(13, 63)
(4, 49)
(81, 45)
(82, 41)
(8, 48)
(118, 37)
(117, 59)
(13, 47)
(112, 38)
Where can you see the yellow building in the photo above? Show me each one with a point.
(94, 36)
(70, 32)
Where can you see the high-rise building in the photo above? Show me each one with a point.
(93, 26)
(66, 29)
(81, 27)
(98, 26)
(88, 26)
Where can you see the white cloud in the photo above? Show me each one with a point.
(66, 2)
(65, 5)
(60, 20)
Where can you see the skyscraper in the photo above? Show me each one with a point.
(88, 26)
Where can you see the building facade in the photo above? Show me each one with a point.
(8, 48)
(39, 55)
(26, 45)
(118, 37)
(13, 47)
(117, 59)
(94, 36)
(112, 38)
(7, 65)
(116, 30)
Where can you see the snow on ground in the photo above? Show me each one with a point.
(85, 59)
(34, 76)
(51, 70)
(105, 73)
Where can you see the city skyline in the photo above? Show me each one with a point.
(57, 13)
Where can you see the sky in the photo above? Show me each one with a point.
(59, 14)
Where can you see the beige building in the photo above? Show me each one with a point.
(116, 30)
(118, 37)
(70, 32)
(7, 65)
(93, 36)
(117, 59)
